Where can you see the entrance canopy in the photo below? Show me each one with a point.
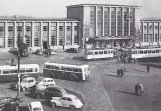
(114, 38)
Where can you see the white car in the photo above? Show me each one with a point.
(67, 100)
(45, 83)
(35, 106)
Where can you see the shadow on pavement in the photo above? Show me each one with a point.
(110, 75)
(126, 93)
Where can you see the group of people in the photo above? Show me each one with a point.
(121, 71)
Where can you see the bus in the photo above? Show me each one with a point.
(140, 53)
(9, 73)
(98, 53)
(66, 71)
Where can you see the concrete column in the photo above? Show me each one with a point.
(49, 33)
(41, 33)
(96, 23)
(24, 32)
(128, 23)
(159, 31)
(142, 31)
(6, 35)
(65, 26)
(148, 37)
(116, 22)
(15, 34)
(153, 32)
(103, 21)
(109, 22)
(72, 33)
(32, 34)
(57, 34)
(123, 21)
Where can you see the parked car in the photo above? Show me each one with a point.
(35, 106)
(73, 50)
(50, 91)
(67, 100)
(42, 85)
(26, 83)
(9, 104)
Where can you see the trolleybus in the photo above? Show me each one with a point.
(9, 73)
(66, 71)
(98, 53)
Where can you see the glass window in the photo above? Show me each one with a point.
(80, 70)
(68, 99)
(34, 70)
(22, 70)
(57, 67)
(105, 52)
(69, 69)
(149, 51)
(100, 52)
(6, 71)
(75, 69)
(96, 53)
(53, 67)
(28, 69)
(63, 68)
(13, 71)
(63, 98)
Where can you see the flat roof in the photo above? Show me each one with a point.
(82, 5)
(150, 19)
(113, 38)
(13, 18)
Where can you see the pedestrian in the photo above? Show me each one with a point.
(125, 69)
(134, 60)
(118, 60)
(118, 72)
(148, 68)
(122, 72)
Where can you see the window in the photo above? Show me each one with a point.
(13, 71)
(145, 27)
(68, 99)
(149, 51)
(57, 67)
(156, 27)
(63, 68)
(100, 52)
(75, 69)
(79, 70)
(22, 70)
(60, 28)
(96, 53)
(105, 52)
(34, 70)
(6, 71)
(69, 69)
(28, 69)
(45, 28)
(63, 98)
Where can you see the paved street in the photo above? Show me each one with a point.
(119, 93)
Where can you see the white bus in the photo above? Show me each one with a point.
(66, 71)
(145, 53)
(98, 54)
(9, 73)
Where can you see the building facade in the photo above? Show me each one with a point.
(150, 31)
(100, 20)
(36, 33)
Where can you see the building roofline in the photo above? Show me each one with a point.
(150, 19)
(83, 5)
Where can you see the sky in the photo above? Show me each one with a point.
(57, 8)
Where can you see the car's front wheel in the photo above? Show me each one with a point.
(53, 104)
(72, 107)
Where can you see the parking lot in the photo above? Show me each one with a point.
(104, 91)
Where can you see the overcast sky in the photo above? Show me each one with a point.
(57, 8)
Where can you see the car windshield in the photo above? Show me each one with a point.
(37, 109)
(24, 80)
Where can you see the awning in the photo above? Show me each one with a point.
(114, 38)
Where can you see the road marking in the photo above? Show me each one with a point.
(106, 94)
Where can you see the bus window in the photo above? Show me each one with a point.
(28, 69)
(13, 71)
(141, 52)
(57, 68)
(157, 51)
(69, 69)
(22, 70)
(105, 52)
(100, 52)
(0, 71)
(111, 51)
(75, 69)
(149, 51)
(63, 68)
(48, 66)
(34, 70)
(79, 70)
(96, 53)
(5, 71)
(153, 51)
(53, 67)
(145, 51)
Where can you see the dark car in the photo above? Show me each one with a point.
(73, 50)
(50, 91)
(9, 104)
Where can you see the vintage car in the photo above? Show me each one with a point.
(26, 83)
(43, 84)
(67, 100)
(35, 106)
(49, 92)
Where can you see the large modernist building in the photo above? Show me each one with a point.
(150, 31)
(36, 33)
(114, 23)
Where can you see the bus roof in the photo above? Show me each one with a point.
(21, 66)
(68, 65)
(98, 49)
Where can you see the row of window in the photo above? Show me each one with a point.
(99, 52)
(146, 51)
(63, 68)
(22, 70)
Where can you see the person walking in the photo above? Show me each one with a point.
(148, 68)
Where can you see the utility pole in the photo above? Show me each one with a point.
(18, 56)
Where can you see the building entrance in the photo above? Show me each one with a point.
(45, 44)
